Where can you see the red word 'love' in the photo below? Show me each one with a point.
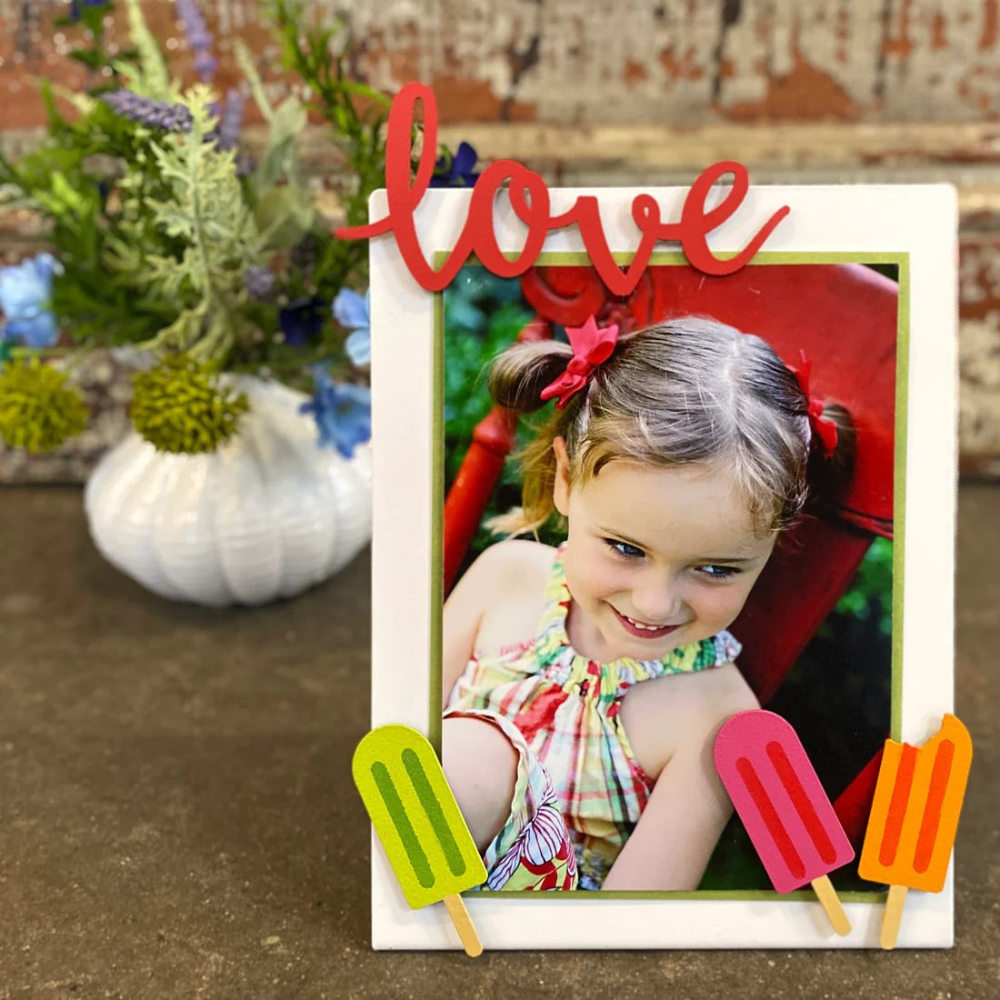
(529, 198)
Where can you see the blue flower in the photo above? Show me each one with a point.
(459, 172)
(343, 413)
(354, 313)
(76, 7)
(25, 292)
(301, 321)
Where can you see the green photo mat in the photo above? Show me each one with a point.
(901, 262)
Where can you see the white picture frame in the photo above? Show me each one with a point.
(919, 223)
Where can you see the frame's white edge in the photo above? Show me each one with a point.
(918, 220)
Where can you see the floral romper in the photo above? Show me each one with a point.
(579, 790)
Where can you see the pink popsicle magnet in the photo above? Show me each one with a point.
(783, 806)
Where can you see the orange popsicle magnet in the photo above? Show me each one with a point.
(914, 817)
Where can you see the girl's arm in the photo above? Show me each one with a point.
(463, 611)
(498, 600)
(688, 808)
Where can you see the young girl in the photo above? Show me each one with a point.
(584, 685)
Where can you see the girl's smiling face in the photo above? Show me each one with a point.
(656, 557)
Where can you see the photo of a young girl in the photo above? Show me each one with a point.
(587, 657)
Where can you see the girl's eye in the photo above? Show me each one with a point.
(623, 550)
(717, 572)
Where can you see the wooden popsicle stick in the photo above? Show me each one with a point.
(827, 895)
(463, 924)
(892, 917)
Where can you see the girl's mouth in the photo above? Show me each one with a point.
(641, 630)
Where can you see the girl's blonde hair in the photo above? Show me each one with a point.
(683, 391)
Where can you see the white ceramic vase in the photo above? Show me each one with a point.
(268, 515)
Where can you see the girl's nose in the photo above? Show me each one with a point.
(658, 601)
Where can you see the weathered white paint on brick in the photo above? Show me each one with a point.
(661, 62)
(608, 84)
(678, 62)
(979, 274)
(979, 353)
(979, 400)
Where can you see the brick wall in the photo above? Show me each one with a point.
(648, 93)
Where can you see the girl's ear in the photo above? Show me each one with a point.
(560, 490)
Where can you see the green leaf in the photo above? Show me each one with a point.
(245, 62)
(67, 194)
(150, 77)
(280, 157)
(363, 90)
(285, 215)
(89, 58)
(92, 16)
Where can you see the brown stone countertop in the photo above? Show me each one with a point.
(177, 817)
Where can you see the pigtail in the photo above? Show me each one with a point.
(519, 374)
(829, 474)
(516, 380)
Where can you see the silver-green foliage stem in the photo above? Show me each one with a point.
(150, 77)
(216, 232)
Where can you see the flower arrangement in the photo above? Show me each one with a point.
(166, 236)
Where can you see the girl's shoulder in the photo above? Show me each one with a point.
(666, 714)
(704, 698)
(509, 580)
(512, 564)
(520, 554)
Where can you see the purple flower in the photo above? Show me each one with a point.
(25, 291)
(259, 282)
(245, 164)
(146, 111)
(199, 38)
(231, 118)
(459, 171)
(343, 413)
(352, 312)
(301, 321)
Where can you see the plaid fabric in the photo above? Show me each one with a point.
(533, 850)
(566, 709)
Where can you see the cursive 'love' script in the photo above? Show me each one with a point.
(529, 199)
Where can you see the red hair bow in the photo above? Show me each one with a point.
(591, 347)
(822, 427)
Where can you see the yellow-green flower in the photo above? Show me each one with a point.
(179, 407)
(38, 410)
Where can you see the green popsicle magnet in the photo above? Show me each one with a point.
(418, 821)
